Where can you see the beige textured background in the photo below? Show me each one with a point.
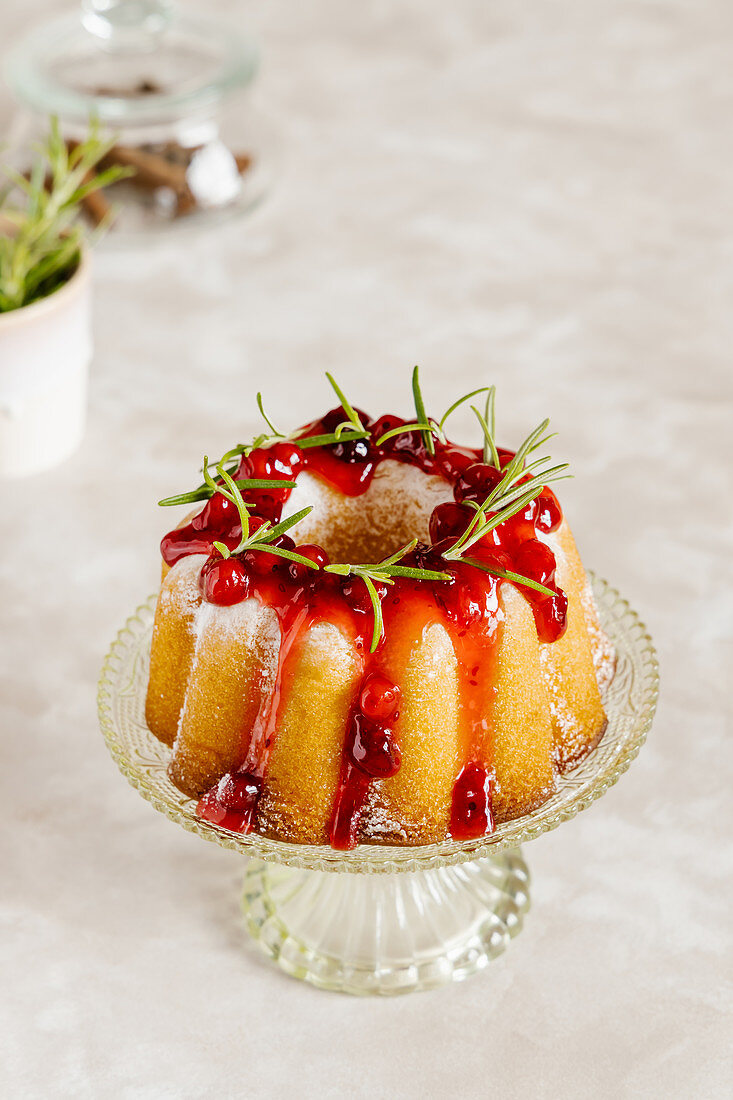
(539, 194)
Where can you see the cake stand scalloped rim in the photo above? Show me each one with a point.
(577, 789)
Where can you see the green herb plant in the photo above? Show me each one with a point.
(41, 249)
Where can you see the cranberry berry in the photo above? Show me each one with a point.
(448, 521)
(225, 581)
(218, 513)
(549, 515)
(300, 573)
(357, 596)
(551, 616)
(379, 698)
(471, 811)
(536, 561)
(477, 482)
(314, 553)
(373, 748)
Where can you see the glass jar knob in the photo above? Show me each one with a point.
(127, 25)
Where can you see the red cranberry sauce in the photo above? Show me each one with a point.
(232, 803)
(467, 605)
(471, 809)
(300, 597)
(370, 752)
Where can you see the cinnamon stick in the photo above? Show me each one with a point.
(167, 168)
(95, 206)
(151, 169)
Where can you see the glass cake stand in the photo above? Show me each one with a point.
(385, 919)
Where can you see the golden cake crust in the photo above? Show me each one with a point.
(212, 667)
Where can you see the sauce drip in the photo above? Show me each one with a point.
(467, 605)
(471, 810)
(370, 752)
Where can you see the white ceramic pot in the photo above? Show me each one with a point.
(45, 352)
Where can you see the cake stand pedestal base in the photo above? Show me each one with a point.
(386, 933)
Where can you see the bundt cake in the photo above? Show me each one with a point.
(419, 666)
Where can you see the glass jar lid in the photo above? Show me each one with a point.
(130, 63)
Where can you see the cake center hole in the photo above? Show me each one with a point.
(395, 508)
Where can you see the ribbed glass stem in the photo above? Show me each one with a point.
(386, 934)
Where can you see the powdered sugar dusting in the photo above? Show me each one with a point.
(604, 656)
(231, 623)
(377, 823)
(180, 590)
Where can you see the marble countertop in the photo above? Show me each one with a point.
(538, 195)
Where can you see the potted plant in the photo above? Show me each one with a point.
(45, 302)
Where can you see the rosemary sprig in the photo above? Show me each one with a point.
(339, 436)
(520, 484)
(482, 524)
(384, 572)
(460, 401)
(265, 417)
(205, 492)
(207, 488)
(348, 430)
(264, 439)
(428, 424)
(353, 417)
(422, 416)
(263, 537)
(423, 424)
(488, 427)
(43, 249)
(234, 452)
(403, 428)
(508, 575)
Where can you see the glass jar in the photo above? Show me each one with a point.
(168, 87)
